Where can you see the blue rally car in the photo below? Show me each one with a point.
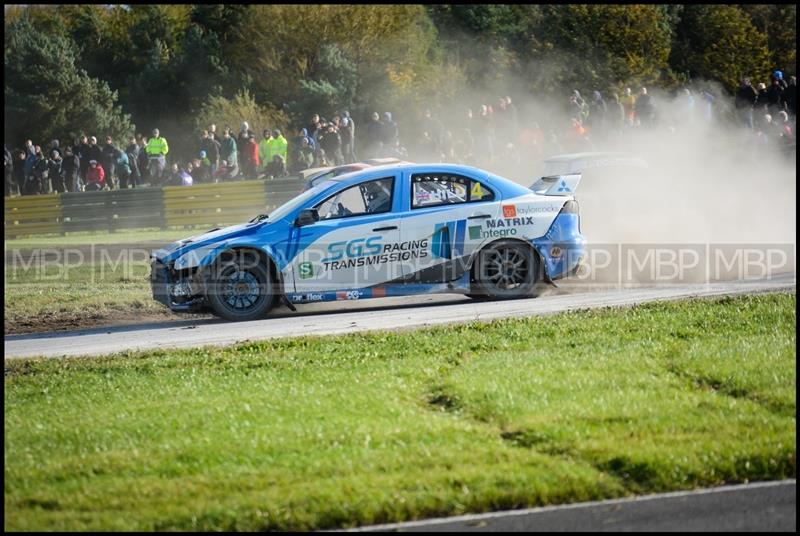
(383, 231)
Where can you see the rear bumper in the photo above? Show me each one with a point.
(563, 248)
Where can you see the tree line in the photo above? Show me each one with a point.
(129, 68)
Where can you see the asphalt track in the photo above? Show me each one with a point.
(377, 314)
(762, 507)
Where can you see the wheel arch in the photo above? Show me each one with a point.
(263, 255)
(520, 241)
(541, 267)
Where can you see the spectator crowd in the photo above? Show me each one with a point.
(488, 136)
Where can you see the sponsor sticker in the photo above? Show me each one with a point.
(509, 211)
(538, 209)
(448, 239)
(379, 292)
(373, 254)
(311, 297)
(306, 270)
(494, 233)
(474, 232)
(348, 295)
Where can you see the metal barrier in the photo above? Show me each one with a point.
(171, 206)
(32, 215)
(213, 204)
(114, 210)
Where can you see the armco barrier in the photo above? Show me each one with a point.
(198, 205)
(114, 210)
(213, 204)
(32, 215)
(279, 191)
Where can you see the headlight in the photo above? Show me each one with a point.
(180, 289)
(191, 259)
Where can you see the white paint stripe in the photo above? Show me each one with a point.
(572, 506)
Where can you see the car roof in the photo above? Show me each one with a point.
(315, 173)
(508, 187)
(355, 176)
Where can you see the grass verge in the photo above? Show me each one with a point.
(119, 237)
(49, 298)
(339, 431)
(80, 283)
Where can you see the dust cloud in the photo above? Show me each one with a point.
(706, 181)
(712, 188)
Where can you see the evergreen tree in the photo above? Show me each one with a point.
(720, 43)
(48, 96)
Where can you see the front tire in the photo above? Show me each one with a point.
(504, 270)
(240, 287)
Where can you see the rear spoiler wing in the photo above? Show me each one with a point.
(563, 172)
(306, 173)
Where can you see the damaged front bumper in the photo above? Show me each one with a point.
(181, 293)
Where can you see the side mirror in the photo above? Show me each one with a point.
(307, 216)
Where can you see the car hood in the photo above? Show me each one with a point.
(181, 247)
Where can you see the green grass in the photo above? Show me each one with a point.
(339, 431)
(87, 238)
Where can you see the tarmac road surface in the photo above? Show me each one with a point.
(762, 506)
(377, 314)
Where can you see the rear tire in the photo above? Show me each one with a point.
(504, 270)
(240, 287)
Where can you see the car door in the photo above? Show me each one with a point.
(349, 247)
(446, 214)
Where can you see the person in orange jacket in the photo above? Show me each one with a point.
(251, 161)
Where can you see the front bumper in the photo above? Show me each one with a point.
(178, 293)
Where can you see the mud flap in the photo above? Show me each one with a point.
(288, 304)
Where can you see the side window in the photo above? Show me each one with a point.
(429, 190)
(479, 192)
(371, 197)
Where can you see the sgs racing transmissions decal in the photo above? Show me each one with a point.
(370, 251)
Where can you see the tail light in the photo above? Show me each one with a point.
(570, 207)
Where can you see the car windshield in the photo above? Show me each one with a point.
(289, 206)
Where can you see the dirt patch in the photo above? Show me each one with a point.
(48, 322)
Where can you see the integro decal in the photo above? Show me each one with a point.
(496, 229)
(498, 233)
(500, 227)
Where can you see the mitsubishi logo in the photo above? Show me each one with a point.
(563, 187)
